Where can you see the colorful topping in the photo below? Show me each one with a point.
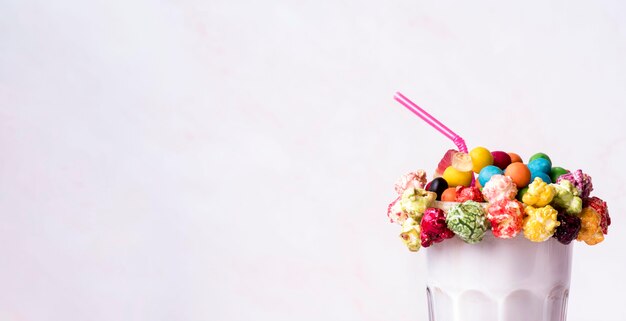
(581, 180)
(415, 179)
(454, 177)
(437, 186)
(467, 220)
(590, 230)
(569, 226)
(414, 201)
(522, 198)
(481, 157)
(410, 234)
(556, 172)
(468, 194)
(601, 208)
(449, 195)
(566, 197)
(487, 172)
(519, 173)
(499, 187)
(434, 228)
(395, 212)
(505, 216)
(540, 165)
(540, 222)
(539, 193)
(501, 159)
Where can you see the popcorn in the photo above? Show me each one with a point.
(590, 230)
(566, 197)
(395, 212)
(557, 203)
(499, 187)
(506, 217)
(414, 201)
(581, 180)
(468, 221)
(569, 226)
(410, 234)
(434, 229)
(539, 194)
(540, 222)
(471, 193)
(601, 208)
(415, 179)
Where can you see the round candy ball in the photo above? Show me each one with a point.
(539, 155)
(454, 177)
(515, 158)
(519, 173)
(521, 192)
(555, 172)
(449, 195)
(437, 185)
(544, 177)
(540, 165)
(481, 157)
(487, 172)
(501, 159)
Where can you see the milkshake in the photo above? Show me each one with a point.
(499, 244)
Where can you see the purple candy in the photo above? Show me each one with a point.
(581, 181)
(569, 228)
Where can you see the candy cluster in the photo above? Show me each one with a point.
(507, 197)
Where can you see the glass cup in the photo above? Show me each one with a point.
(498, 280)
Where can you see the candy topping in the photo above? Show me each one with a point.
(410, 234)
(499, 187)
(505, 216)
(467, 220)
(540, 222)
(434, 228)
(581, 180)
(539, 193)
(415, 179)
(414, 201)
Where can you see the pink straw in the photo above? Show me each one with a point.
(432, 121)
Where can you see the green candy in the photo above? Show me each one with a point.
(468, 221)
(555, 172)
(539, 155)
(566, 197)
(521, 193)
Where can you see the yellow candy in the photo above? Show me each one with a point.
(590, 230)
(540, 223)
(410, 234)
(539, 193)
(455, 177)
(481, 157)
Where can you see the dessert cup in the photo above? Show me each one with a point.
(498, 280)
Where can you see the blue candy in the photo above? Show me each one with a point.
(485, 174)
(544, 177)
(540, 165)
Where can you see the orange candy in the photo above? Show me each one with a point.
(515, 158)
(449, 195)
(519, 173)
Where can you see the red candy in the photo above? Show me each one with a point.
(471, 193)
(506, 217)
(434, 228)
(600, 206)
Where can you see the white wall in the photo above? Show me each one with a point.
(233, 160)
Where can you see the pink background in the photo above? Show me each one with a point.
(233, 160)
